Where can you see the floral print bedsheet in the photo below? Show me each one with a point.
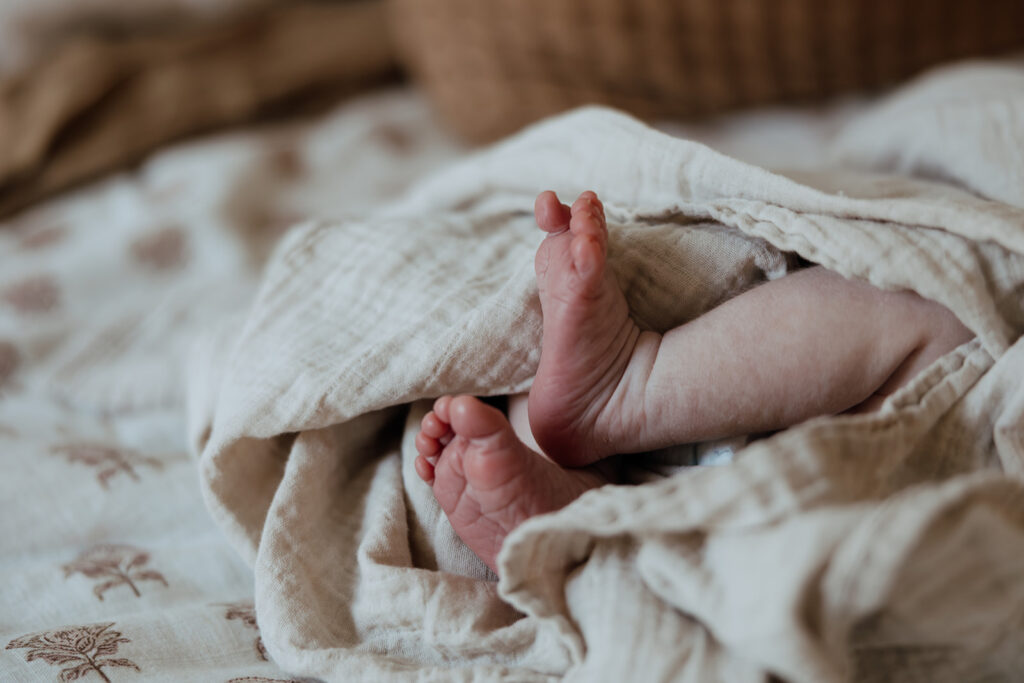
(110, 567)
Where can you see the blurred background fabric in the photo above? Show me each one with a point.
(101, 100)
(87, 87)
(491, 67)
(30, 30)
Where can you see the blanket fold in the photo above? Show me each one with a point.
(868, 547)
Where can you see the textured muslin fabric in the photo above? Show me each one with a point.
(991, 108)
(885, 546)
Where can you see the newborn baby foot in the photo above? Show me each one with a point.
(485, 479)
(578, 412)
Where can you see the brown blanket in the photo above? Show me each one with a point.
(99, 103)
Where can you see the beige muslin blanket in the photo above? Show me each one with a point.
(887, 546)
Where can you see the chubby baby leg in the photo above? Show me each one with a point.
(808, 344)
(812, 343)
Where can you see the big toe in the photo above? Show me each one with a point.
(494, 456)
(473, 419)
(551, 214)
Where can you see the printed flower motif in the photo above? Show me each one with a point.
(8, 361)
(394, 137)
(87, 646)
(164, 249)
(121, 565)
(36, 294)
(42, 237)
(246, 612)
(287, 162)
(109, 461)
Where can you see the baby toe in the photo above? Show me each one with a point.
(588, 201)
(432, 426)
(427, 446)
(551, 215)
(424, 469)
(588, 259)
(441, 407)
(589, 225)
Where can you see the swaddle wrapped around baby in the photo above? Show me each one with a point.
(851, 547)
